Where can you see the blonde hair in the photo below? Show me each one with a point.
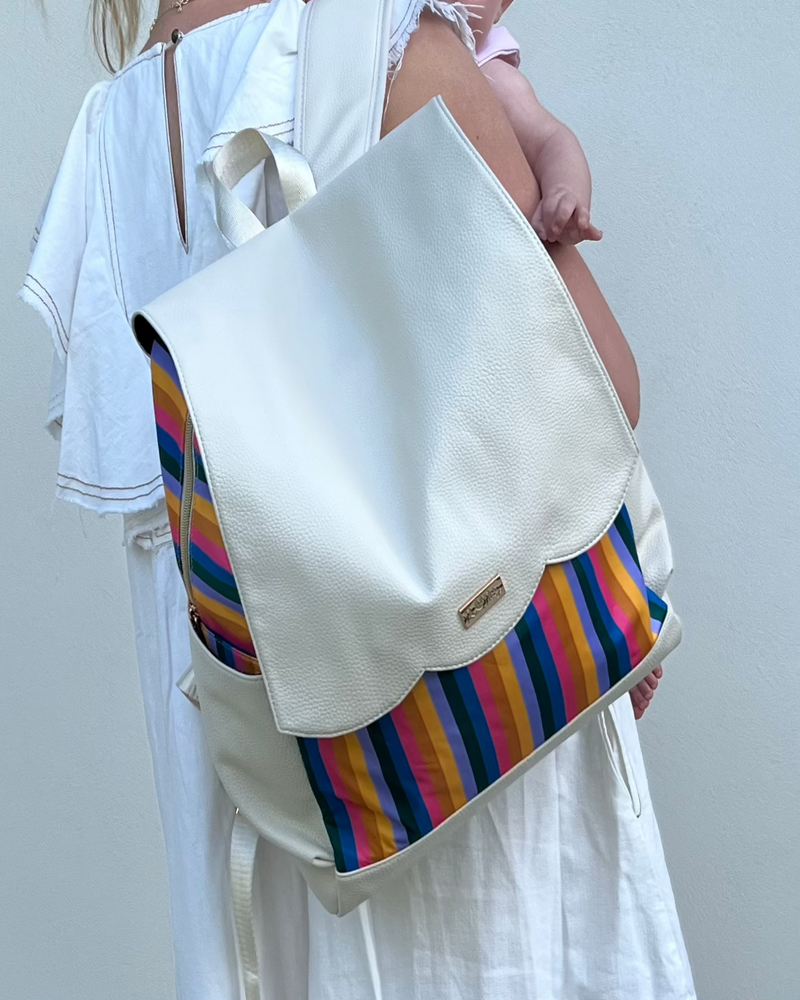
(115, 27)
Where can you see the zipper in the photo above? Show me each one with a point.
(187, 501)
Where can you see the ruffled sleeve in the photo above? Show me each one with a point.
(100, 404)
(102, 249)
(405, 21)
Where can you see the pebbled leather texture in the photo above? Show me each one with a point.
(335, 125)
(396, 399)
(260, 768)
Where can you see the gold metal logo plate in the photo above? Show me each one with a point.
(486, 598)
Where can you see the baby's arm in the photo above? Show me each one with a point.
(554, 154)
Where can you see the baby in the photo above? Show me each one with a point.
(559, 166)
(554, 154)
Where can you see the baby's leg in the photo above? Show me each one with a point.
(608, 338)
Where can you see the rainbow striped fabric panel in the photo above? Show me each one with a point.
(214, 592)
(591, 621)
(171, 411)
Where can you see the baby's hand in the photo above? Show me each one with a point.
(562, 218)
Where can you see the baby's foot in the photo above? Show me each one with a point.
(642, 694)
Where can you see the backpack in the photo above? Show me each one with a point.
(407, 505)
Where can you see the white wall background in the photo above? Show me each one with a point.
(690, 114)
(83, 907)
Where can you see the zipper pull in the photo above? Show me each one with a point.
(194, 618)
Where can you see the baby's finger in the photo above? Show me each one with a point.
(592, 233)
(570, 235)
(561, 215)
(538, 223)
(553, 214)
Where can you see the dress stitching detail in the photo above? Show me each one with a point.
(275, 135)
(99, 486)
(99, 496)
(63, 325)
(48, 307)
(403, 27)
(260, 128)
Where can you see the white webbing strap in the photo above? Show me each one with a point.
(187, 685)
(244, 843)
(287, 176)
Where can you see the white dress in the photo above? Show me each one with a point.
(558, 889)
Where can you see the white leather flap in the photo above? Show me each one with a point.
(396, 400)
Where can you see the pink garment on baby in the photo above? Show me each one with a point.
(500, 44)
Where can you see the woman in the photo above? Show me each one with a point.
(558, 889)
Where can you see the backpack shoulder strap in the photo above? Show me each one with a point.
(342, 66)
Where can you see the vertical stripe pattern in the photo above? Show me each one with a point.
(214, 592)
(170, 412)
(592, 620)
